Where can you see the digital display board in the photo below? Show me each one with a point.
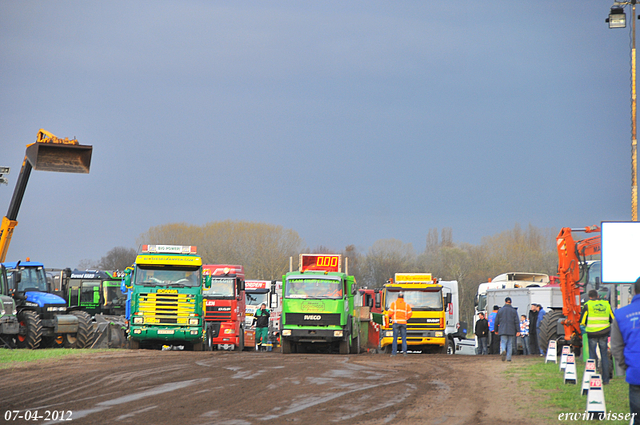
(620, 245)
(320, 262)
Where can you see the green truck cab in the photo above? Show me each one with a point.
(318, 307)
(165, 285)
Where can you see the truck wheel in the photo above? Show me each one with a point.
(197, 346)
(85, 335)
(449, 348)
(355, 345)
(285, 344)
(209, 340)
(387, 349)
(240, 345)
(549, 328)
(134, 345)
(344, 347)
(30, 334)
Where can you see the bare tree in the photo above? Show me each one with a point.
(385, 258)
(118, 258)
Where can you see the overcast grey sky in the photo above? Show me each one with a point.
(348, 122)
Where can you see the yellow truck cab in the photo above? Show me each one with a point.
(426, 328)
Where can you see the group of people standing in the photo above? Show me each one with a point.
(503, 324)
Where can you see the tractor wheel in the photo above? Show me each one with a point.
(85, 335)
(30, 334)
(549, 328)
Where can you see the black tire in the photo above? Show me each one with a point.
(355, 345)
(549, 329)
(285, 345)
(449, 347)
(209, 345)
(30, 335)
(197, 346)
(85, 335)
(344, 347)
(134, 345)
(240, 345)
(387, 349)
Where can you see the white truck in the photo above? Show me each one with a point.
(549, 297)
(505, 281)
(455, 330)
(268, 292)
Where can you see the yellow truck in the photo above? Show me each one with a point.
(426, 328)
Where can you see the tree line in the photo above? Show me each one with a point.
(264, 251)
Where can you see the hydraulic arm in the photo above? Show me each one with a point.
(48, 153)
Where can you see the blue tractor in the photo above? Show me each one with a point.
(44, 318)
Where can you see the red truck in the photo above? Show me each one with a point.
(224, 306)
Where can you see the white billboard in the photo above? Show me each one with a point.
(620, 251)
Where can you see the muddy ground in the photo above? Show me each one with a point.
(175, 387)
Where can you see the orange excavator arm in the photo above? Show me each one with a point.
(570, 252)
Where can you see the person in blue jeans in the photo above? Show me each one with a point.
(508, 327)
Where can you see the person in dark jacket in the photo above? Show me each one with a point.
(533, 334)
(508, 328)
(261, 322)
(482, 332)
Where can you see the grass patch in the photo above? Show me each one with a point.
(550, 396)
(9, 358)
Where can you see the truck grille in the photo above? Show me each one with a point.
(312, 319)
(423, 323)
(166, 309)
(217, 313)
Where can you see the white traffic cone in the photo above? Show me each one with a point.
(595, 398)
(552, 352)
(563, 358)
(570, 375)
(589, 369)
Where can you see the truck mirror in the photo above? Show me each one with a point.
(447, 301)
(369, 302)
(207, 281)
(274, 301)
(354, 290)
(597, 282)
(127, 282)
(377, 299)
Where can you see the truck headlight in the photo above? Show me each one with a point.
(228, 331)
(286, 332)
(338, 334)
(193, 321)
(439, 334)
(138, 320)
(388, 334)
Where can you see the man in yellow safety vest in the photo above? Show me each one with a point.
(399, 313)
(596, 318)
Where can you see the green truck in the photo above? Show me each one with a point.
(318, 308)
(165, 290)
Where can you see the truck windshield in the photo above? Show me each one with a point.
(419, 300)
(257, 299)
(482, 302)
(114, 295)
(313, 288)
(220, 287)
(178, 277)
(31, 279)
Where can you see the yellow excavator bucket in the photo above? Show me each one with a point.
(50, 153)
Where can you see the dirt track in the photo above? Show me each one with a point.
(174, 387)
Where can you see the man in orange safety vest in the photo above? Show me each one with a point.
(399, 313)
